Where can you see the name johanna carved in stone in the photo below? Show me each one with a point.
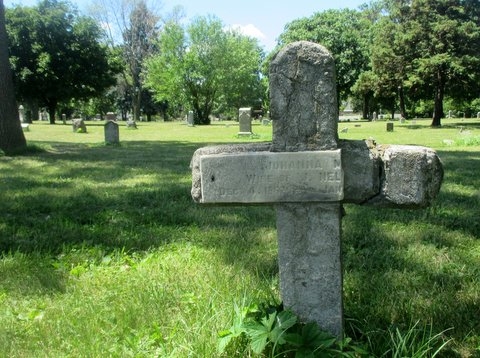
(268, 177)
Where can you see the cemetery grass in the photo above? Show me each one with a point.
(103, 252)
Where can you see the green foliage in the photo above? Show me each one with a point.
(104, 254)
(56, 54)
(345, 33)
(194, 69)
(428, 47)
(275, 332)
(415, 343)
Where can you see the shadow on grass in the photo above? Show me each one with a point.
(134, 196)
(401, 266)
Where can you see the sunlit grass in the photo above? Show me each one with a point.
(103, 252)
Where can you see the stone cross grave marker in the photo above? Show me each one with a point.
(308, 173)
(245, 121)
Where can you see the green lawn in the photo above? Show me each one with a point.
(104, 254)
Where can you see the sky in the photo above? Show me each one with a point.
(262, 19)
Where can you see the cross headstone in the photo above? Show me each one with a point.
(308, 173)
(112, 135)
(245, 121)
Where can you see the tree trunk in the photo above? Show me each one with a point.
(11, 134)
(136, 103)
(52, 107)
(365, 109)
(401, 98)
(439, 94)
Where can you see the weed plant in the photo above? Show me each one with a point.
(104, 254)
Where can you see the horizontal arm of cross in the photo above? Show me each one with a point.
(380, 175)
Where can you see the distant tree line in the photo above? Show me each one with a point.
(126, 57)
(410, 56)
(414, 57)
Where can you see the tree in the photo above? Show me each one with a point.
(364, 88)
(11, 134)
(345, 33)
(205, 67)
(164, 71)
(132, 27)
(56, 55)
(138, 45)
(389, 63)
(243, 86)
(438, 42)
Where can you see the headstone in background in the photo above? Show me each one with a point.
(245, 121)
(78, 125)
(266, 119)
(111, 116)
(131, 124)
(389, 127)
(21, 114)
(112, 135)
(190, 117)
(308, 173)
(44, 115)
(64, 118)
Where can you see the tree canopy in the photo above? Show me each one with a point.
(406, 55)
(405, 51)
(430, 47)
(56, 54)
(345, 33)
(205, 68)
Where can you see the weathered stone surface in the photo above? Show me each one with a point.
(361, 166)
(245, 121)
(309, 255)
(303, 100)
(218, 149)
(387, 176)
(79, 126)
(266, 177)
(411, 176)
(112, 134)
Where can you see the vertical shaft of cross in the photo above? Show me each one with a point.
(303, 107)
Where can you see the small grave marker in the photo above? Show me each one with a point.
(112, 135)
(307, 172)
(111, 116)
(190, 120)
(245, 121)
(21, 113)
(79, 126)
